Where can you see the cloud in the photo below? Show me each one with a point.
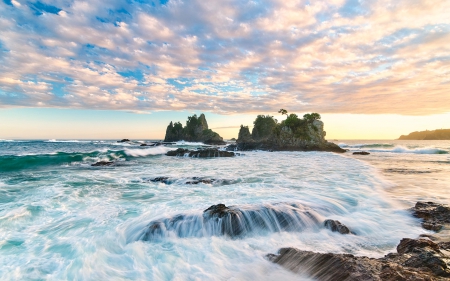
(227, 56)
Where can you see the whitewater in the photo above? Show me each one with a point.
(63, 219)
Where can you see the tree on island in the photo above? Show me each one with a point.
(283, 111)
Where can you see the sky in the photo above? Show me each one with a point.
(126, 68)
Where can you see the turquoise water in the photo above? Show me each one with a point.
(62, 219)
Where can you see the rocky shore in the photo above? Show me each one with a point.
(415, 259)
(201, 153)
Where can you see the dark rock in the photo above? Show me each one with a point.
(336, 226)
(233, 221)
(191, 181)
(361, 153)
(434, 215)
(144, 144)
(202, 153)
(161, 179)
(103, 163)
(416, 260)
(124, 140)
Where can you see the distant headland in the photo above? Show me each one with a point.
(442, 134)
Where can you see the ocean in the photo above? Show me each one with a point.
(63, 219)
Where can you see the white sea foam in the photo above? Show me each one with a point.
(418, 150)
(186, 143)
(147, 151)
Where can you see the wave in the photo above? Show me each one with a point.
(70, 141)
(419, 150)
(187, 143)
(21, 162)
(368, 145)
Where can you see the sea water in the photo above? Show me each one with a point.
(63, 219)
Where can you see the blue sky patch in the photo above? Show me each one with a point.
(40, 8)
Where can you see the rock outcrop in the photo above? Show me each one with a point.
(416, 259)
(361, 153)
(336, 226)
(293, 134)
(434, 215)
(196, 130)
(233, 221)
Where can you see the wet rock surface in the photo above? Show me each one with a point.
(337, 226)
(434, 215)
(103, 163)
(124, 140)
(233, 222)
(201, 153)
(361, 153)
(416, 259)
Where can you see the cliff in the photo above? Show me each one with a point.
(442, 134)
(196, 130)
(292, 134)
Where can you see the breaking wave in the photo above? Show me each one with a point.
(33, 161)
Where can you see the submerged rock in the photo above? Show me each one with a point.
(103, 163)
(419, 259)
(233, 221)
(361, 153)
(336, 226)
(192, 180)
(201, 153)
(434, 215)
(124, 140)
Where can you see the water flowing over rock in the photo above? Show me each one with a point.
(434, 215)
(419, 259)
(201, 153)
(233, 221)
(196, 130)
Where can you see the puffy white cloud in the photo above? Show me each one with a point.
(227, 56)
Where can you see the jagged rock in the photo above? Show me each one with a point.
(361, 153)
(336, 226)
(196, 130)
(416, 260)
(434, 215)
(124, 140)
(102, 163)
(201, 153)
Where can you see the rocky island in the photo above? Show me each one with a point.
(442, 134)
(196, 130)
(292, 134)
